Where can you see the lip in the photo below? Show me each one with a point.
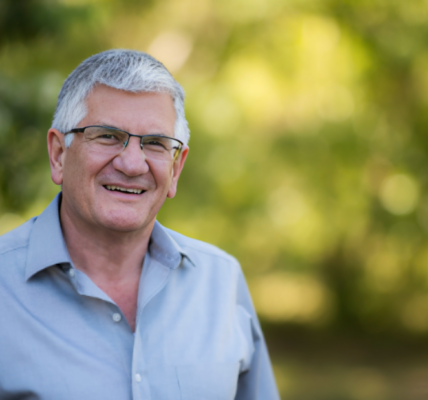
(127, 194)
(124, 185)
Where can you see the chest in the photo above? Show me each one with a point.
(191, 342)
(126, 298)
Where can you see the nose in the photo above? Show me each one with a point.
(132, 160)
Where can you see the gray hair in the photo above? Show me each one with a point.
(129, 70)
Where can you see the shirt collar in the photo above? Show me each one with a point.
(47, 246)
(165, 249)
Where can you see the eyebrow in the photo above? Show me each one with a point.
(121, 129)
(109, 126)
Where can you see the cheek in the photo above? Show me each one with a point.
(77, 172)
(161, 173)
(83, 166)
(73, 173)
(168, 176)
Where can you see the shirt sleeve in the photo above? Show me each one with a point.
(257, 381)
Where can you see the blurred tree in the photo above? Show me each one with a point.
(308, 147)
(28, 90)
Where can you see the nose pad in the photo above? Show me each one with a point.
(141, 143)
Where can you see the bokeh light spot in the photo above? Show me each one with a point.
(399, 194)
(287, 297)
(172, 49)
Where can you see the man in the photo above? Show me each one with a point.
(97, 299)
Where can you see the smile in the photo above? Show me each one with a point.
(125, 190)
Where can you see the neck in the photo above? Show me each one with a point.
(111, 259)
(102, 253)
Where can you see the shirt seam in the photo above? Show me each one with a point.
(225, 256)
(15, 248)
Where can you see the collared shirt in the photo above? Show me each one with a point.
(61, 337)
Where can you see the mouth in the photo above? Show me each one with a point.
(123, 190)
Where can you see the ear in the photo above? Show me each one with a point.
(176, 171)
(56, 150)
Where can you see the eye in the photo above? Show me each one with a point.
(107, 136)
(154, 142)
(104, 136)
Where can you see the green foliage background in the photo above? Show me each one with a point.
(308, 156)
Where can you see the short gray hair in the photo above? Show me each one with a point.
(129, 70)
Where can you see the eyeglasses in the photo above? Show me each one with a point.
(112, 141)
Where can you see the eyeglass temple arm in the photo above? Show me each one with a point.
(75, 130)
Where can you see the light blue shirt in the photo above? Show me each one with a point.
(62, 338)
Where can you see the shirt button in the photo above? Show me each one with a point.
(116, 317)
(138, 377)
(72, 272)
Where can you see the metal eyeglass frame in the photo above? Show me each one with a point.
(82, 130)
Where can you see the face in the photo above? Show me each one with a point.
(87, 177)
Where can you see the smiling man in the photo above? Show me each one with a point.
(97, 299)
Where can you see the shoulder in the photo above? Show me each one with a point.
(17, 238)
(199, 248)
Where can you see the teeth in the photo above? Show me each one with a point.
(121, 189)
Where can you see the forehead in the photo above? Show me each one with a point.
(144, 112)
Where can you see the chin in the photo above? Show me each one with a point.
(123, 224)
